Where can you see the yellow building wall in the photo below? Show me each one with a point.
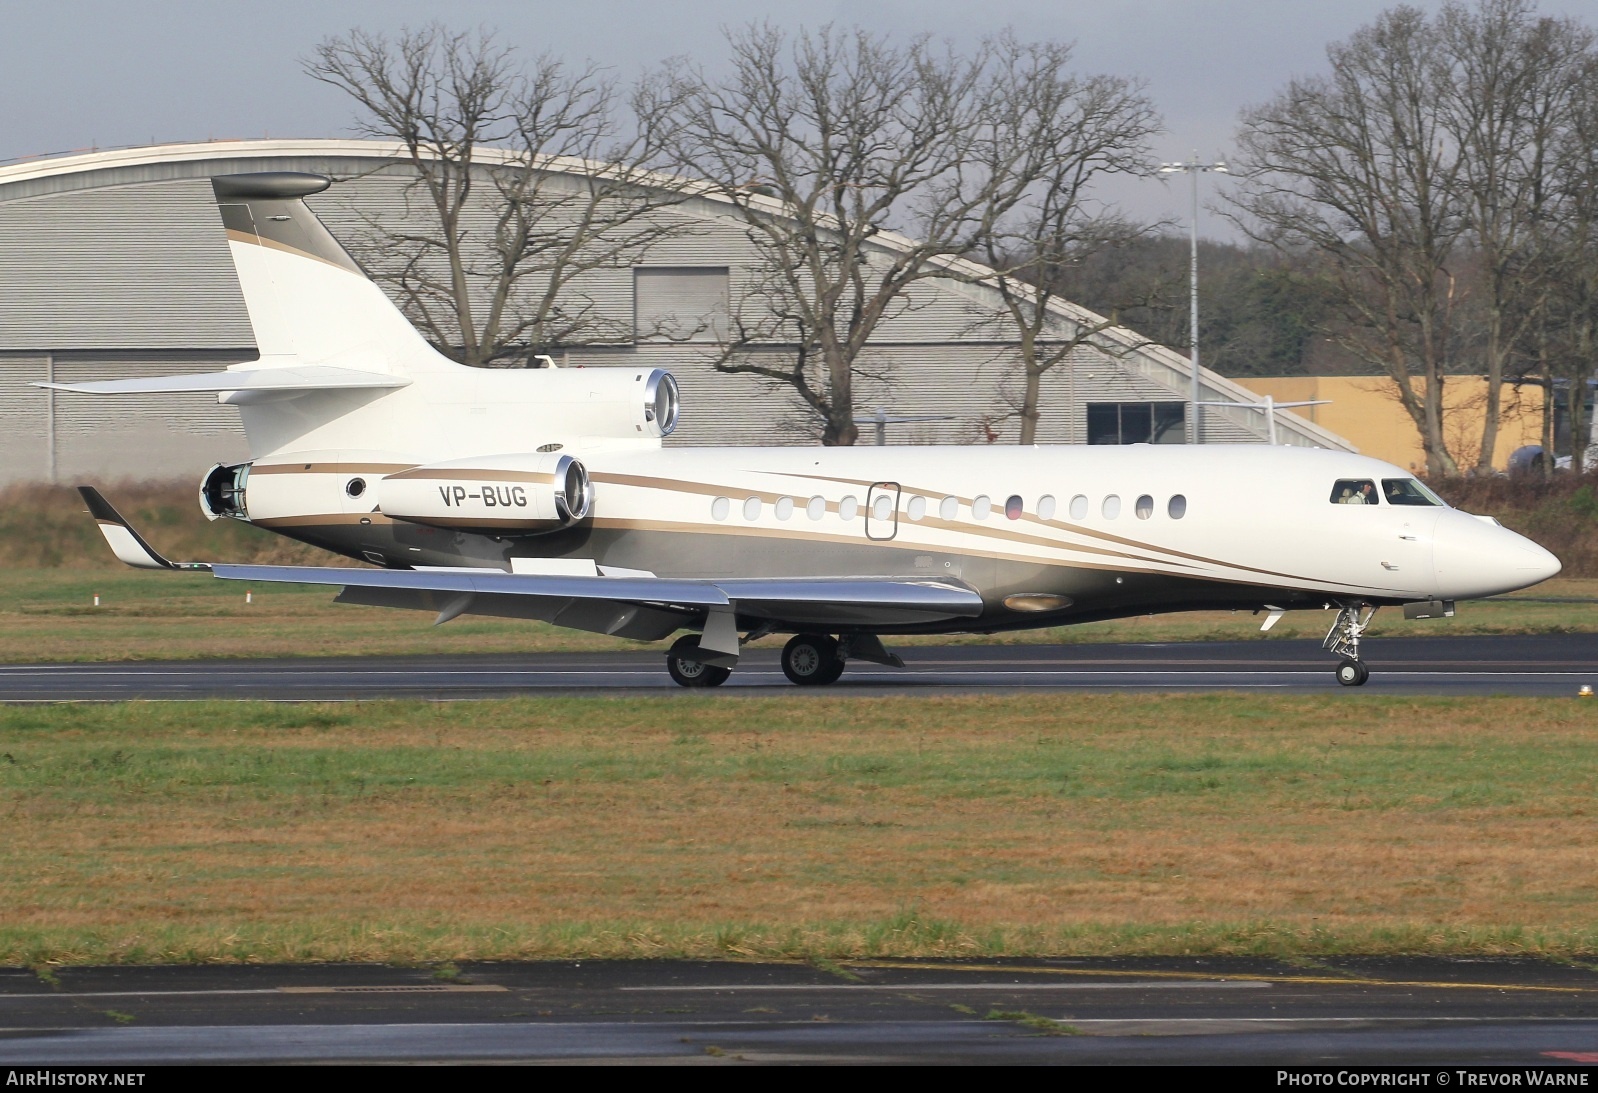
(1365, 411)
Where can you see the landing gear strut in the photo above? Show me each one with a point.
(812, 660)
(1343, 640)
(687, 670)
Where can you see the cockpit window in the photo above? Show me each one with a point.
(1407, 491)
(1354, 491)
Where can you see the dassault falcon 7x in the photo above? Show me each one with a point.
(546, 494)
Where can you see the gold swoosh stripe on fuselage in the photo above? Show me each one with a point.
(982, 532)
(325, 519)
(709, 490)
(459, 474)
(329, 468)
(1079, 529)
(624, 524)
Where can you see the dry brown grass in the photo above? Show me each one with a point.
(799, 827)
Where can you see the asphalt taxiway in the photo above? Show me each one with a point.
(1512, 665)
(1404, 1011)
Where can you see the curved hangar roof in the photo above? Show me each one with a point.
(115, 266)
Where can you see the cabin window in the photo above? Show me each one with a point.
(1046, 507)
(1137, 422)
(917, 508)
(752, 509)
(817, 508)
(1013, 507)
(1079, 507)
(882, 508)
(1144, 508)
(848, 508)
(783, 508)
(981, 504)
(1354, 491)
(1111, 507)
(950, 508)
(1177, 508)
(719, 508)
(1407, 491)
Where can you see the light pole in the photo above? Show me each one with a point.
(1195, 168)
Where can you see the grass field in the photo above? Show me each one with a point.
(798, 827)
(48, 615)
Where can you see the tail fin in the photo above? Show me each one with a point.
(309, 302)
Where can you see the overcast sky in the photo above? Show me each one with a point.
(102, 73)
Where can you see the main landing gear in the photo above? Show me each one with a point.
(809, 660)
(1343, 640)
(687, 670)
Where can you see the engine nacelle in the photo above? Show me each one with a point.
(222, 491)
(619, 403)
(498, 495)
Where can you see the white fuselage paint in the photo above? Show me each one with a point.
(1250, 516)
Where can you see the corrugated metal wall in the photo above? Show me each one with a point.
(140, 267)
(102, 438)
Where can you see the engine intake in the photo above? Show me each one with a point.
(222, 492)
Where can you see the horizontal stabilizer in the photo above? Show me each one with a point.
(311, 377)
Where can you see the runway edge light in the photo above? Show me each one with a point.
(1585, 692)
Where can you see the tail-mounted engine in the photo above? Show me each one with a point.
(509, 495)
(222, 492)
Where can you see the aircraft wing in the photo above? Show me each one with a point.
(311, 377)
(644, 607)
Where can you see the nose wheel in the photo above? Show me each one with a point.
(1351, 673)
(1343, 640)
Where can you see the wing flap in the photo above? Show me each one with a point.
(818, 600)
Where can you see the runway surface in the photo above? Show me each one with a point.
(1535, 665)
(1403, 1011)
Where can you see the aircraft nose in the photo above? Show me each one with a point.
(1475, 557)
(1538, 563)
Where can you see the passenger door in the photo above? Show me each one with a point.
(882, 511)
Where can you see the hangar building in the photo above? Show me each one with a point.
(113, 264)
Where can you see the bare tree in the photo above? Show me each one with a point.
(1566, 335)
(824, 144)
(530, 179)
(1357, 169)
(1504, 88)
(1074, 132)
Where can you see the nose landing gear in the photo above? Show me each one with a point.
(1351, 673)
(1343, 640)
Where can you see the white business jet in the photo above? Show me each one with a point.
(546, 494)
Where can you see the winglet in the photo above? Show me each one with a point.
(126, 543)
